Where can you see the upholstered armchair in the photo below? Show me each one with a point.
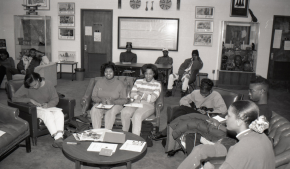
(87, 103)
(28, 112)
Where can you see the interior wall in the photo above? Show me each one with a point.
(263, 10)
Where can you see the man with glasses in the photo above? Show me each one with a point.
(193, 103)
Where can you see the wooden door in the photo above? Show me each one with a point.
(96, 40)
(279, 59)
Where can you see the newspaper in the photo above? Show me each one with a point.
(91, 135)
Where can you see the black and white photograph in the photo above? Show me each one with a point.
(66, 20)
(44, 4)
(203, 26)
(66, 8)
(66, 56)
(239, 8)
(202, 39)
(204, 12)
(66, 33)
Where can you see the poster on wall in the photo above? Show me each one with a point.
(204, 12)
(66, 20)
(202, 39)
(44, 4)
(203, 26)
(66, 8)
(239, 8)
(66, 33)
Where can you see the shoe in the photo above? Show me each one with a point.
(183, 94)
(158, 136)
(57, 143)
(168, 93)
(172, 152)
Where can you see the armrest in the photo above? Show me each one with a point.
(8, 114)
(68, 106)
(48, 72)
(86, 100)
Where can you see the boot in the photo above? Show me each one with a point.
(168, 93)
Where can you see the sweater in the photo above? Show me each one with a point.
(34, 63)
(152, 89)
(113, 89)
(44, 94)
(214, 100)
(128, 57)
(253, 150)
(164, 60)
(8, 63)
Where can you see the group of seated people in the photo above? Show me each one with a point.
(254, 149)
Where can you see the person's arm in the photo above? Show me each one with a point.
(21, 95)
(181, 69)
(134, 91)
(12, 63)
(170, 61)
(95, 97)
(54, 99)
(155, 94)
(34, 63)
(157, 61)
(134, 59)
(20, 66)
(219, 105)
(122, 95)
(187, 99)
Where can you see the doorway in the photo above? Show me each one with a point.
(96, 40)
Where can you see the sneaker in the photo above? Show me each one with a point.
(168, 93)
(57, 143)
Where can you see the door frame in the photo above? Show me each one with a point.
(83, 30)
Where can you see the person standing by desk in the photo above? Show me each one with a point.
(166, 60)
(128, 56)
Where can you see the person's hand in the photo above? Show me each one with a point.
(104, 101)
(44, 105)
(23, 72)
(213, 122)
(110, 102)
(35, 103)
(208, 165)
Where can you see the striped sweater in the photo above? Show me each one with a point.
(151, 89)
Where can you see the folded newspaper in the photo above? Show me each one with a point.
(91, 135)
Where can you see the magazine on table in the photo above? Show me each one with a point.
(91, 135)
(133, 145)
(98, 146)
(134, 105)
(102, 106)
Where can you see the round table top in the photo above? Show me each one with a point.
(79, 152)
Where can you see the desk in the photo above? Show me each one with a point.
(72, 68)
(139, 66)
(80, 154)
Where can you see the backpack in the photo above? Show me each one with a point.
(146, 131)
(75, 126)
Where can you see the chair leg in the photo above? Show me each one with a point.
(28, 144)
(34, 141)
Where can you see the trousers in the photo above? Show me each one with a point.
(11, 71)
(2, 73)
(110, 116)
(54, 120)
(202, 152)
(174, 77)
(137, 115)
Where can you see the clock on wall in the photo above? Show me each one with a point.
(135, 4)
(165, 4)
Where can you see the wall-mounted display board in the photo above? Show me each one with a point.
(148, 33)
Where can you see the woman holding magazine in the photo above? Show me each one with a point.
(42, 93)
(107, 91)
(145, 91)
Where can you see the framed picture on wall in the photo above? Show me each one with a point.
(204, 12)
(66, 20)
(67, 56)
(66, 8)
(239, 8)
(44, 4)
(203, 26)
(201, 39)
(66, 33)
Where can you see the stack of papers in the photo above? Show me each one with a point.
(101, 106)
(134, 105)
(2, 132)
(91, 135)
(98, 146)
(133, 145)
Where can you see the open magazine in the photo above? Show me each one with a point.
(91, 135)
(133, 145)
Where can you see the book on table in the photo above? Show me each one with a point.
(133, 145)
(101, 135)
(106, 149)
(102, 106)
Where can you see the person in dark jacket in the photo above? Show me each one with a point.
(6, 62)
(128, 56)
(185, 73)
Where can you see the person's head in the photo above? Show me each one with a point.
(3, 54)
(32, 80)
(32, 52)
(258, 90)
(241, 114)
(206, 87)
(247, 66)
(108, 70)
(165, 52)
(150, 71)
(238, 60)
(195, 55)
(129, 46)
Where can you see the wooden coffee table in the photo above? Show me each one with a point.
(80, 154)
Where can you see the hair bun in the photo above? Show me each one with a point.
(260, 124)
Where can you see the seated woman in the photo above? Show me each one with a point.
(108, 91)
(42, 93)
(6, 62)
(145, 91)
(254, 149)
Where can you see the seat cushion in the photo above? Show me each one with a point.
(13, 131)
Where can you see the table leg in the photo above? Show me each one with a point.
(72, 72)
(78, 164)
(129, 164)
(60, 71)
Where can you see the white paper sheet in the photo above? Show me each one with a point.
(287, 45)
(277, 39)
(2, 132)
(97, 36)
(88, 30)
(98, 146)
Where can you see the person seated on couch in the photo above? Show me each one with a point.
(25, 66)
(42, 93)
(107, 91)
(184, 73)
(145, 91)
(6, 62)
(205, 97)
(254, 149)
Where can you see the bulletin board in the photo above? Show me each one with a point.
(148, 33)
